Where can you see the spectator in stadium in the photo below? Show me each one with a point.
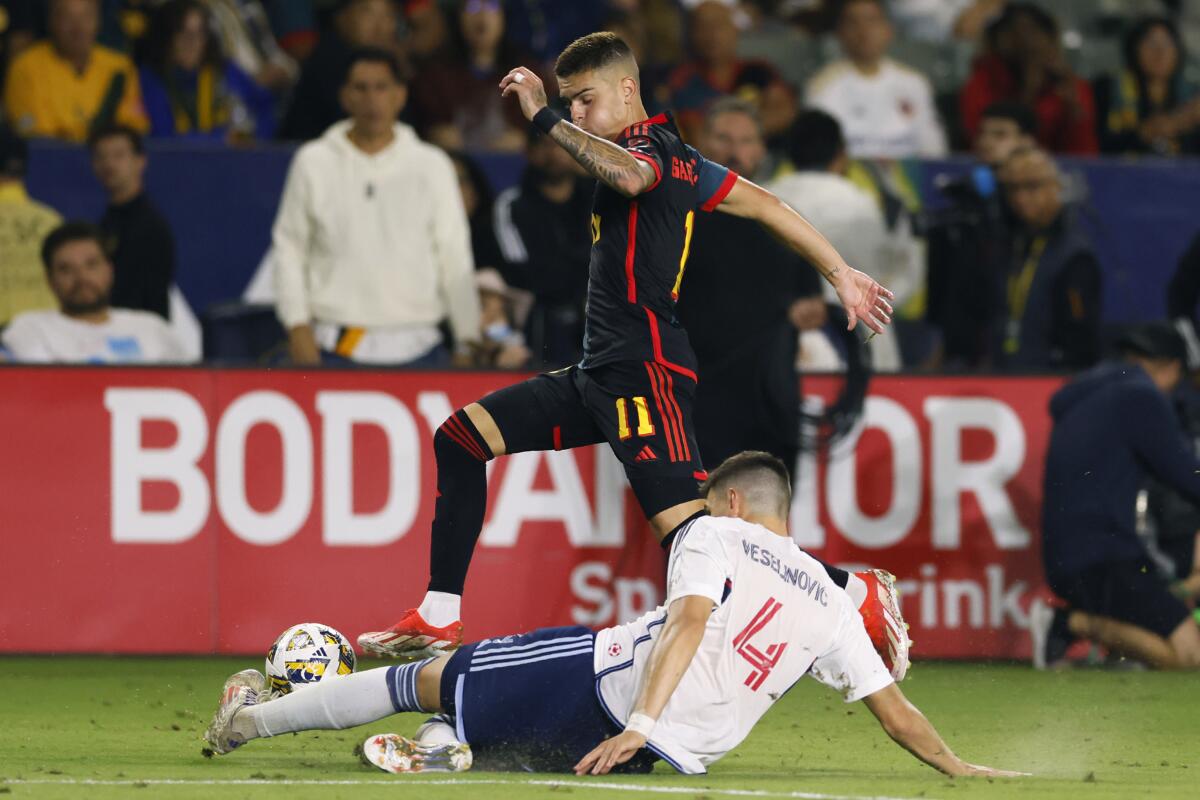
(965, 239)
(886, 109)
(316, 102)
(775, 294)
(501, 310)
(715, 70)
(1023, 61)
(371, 243)
(1149, 107)
(1113, 425)
(68, 85)
(24, 223)
(291, 26)
(427, 32)
(86, 328)
(17, 32)
(574, 700)
(137, 237)
(543, 225)
(479, 202)
(455, 98)
(847, 216)
(1049, 294)
(191, 90)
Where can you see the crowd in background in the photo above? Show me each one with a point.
(808, 97)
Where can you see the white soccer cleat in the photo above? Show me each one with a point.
(394, 753)
(242, 689)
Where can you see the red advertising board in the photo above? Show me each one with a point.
(196, 511)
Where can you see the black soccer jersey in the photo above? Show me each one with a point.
(640, 250)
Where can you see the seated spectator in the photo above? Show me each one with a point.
(715, 70)
(944, 20)
(18, 31)
(24, 223)
(371, 245)
(501, 343)
(138, 239)
(244, 30)
(885, 108)
(965, 239)
(543, 225)
(426, 32)
(1149, 107)
(1112, 426)
(1049, 295)
(456, 99)
(1023, 62)
(731, 127)
(86, 328)
(316, 103)
(845, 214)
(69, 85)
(190, 90)
(291, 25)
(478, 201)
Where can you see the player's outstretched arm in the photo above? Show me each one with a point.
(909, 728)
(863, 298)
(669, 659)
(607, 162)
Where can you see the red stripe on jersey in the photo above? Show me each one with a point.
(651, 162)
(657, 119)
(700, 475)
(656, 341)
(557, 437)
(630, 249)
(674, 406)
(662, 411)
(722, 191)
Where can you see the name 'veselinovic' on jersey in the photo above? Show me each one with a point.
(640, 250)
(776, 618)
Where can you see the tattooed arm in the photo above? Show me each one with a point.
(607, 162)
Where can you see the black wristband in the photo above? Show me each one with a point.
(546, 119)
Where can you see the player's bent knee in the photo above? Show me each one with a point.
(458, 435)
(487, 427)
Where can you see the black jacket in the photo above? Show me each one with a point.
(142, 249)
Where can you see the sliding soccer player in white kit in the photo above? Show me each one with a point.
(747, 615)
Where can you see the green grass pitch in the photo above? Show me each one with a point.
(105, 727)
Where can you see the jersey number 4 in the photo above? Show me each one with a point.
(762, 659)
(644, 426)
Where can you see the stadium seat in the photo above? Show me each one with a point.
(241, 333)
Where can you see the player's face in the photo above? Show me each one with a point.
(864, 31)
(599, 101)
(997, 139)
(372, 96)
(733, 139)
(81, 277)
(117, 165)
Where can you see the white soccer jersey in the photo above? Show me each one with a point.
(777, 617)
(890, 114)
(127, 337)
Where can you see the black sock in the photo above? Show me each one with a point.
(669, 539)
(838, 576)
(461, 455)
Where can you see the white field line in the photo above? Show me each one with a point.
(419, 783)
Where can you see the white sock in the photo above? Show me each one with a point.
(439, 609)
(436, 731)
(856, 587)
(342, 702)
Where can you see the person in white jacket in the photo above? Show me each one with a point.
(371, 243)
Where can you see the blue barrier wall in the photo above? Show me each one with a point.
(221, 203)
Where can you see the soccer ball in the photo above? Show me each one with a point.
(305, 654)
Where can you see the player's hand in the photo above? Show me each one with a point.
(610, 753)
(864, 299)
(528, 89)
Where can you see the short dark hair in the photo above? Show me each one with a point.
(845, 4)
(1019, 113)
(594, 51)
(376, 55)
(751, 466)
(731, 104)
(114, 130)
(815, 140)
(71, 231)
(1140, 29)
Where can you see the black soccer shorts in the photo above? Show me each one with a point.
(1129, 591)
(641, 408)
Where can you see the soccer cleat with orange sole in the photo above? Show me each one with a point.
(884, 623)
(413, 638)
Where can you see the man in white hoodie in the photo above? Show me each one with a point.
(371, 242)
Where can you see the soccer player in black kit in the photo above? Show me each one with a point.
(635, 385)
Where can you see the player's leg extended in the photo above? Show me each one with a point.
(537, 414)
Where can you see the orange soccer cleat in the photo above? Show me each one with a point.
(413, 638)
(884, 623)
